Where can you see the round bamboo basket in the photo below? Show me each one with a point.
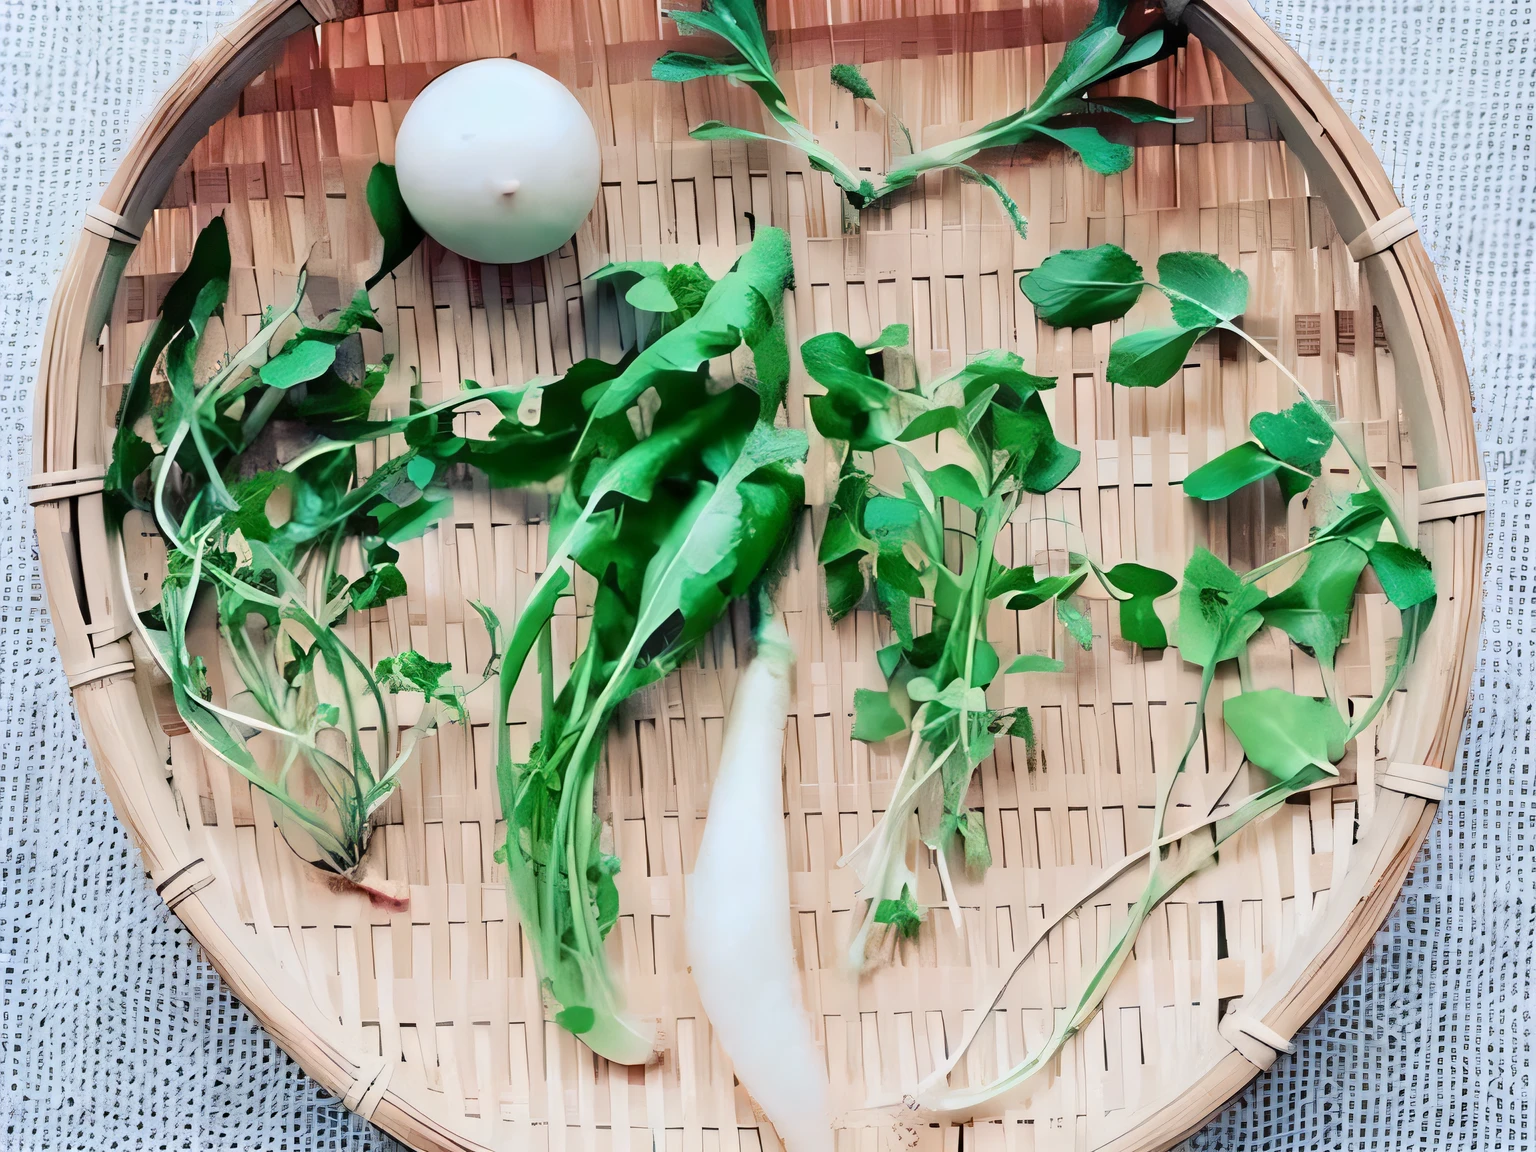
(429, 1022)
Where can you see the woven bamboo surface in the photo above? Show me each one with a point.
(430, 1021)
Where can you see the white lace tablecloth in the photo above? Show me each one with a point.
(117, 1035)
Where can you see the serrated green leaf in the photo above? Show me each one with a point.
(1201, 290)
(1084, 286)
(1284, 734)
(1149, 358)
(1315, 610)
(1405, 573)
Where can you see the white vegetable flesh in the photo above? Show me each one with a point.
(738, 917)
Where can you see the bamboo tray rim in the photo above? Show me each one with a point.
(1364, 206)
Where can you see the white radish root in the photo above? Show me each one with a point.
(737, 923)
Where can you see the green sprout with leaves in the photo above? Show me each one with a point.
(674, 496)
(980, 440)
(1296, 741)
(252, 478)
(1121, 38)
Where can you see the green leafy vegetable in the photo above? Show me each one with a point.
(273, 585)
(1291, 448)
(1109, 46)
(672, 517)
(1314, 611)
(1404, 573)
(903, 913)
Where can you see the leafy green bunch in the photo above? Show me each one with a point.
(251, 476)
(1295, 741)
(979, 439)
(675, 496)
(1121, 38)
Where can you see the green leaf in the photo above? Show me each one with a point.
(1078, 626)
(1136, 110)
(1139, 622)
(1029, 662)
(298, 364)
(651, 295)
(1315, 610)
(1202, 291)
(1301, 436)
(1150, 357)
(1237, 468)
(376, 587)
(676, 67)
(1217, 611)
(1404, 573)
(850, 79)
(1284, 734)
(902, 914)
(954, 482)
(984, 664)
(393, 219)
(873, 717)
(410, 671)
(1082, 287)
(1101, 155)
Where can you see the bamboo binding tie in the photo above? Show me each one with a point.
(1380, 236)
(105, 222)
(369, 1085)
(1253, 1039)
(184, 881)
(46, 486)
(1423, 780)
(1464, 498)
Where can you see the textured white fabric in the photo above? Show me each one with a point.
(116, 1035)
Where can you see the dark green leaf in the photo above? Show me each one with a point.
(1085, 286)
(1136, 110)
(377, 586)
(954, 482)
(1141, 586)
(1300, 436)
(1404, 573)
(1237, 468)
(1100, 154)
(393, 219)
(1150, 357)
(1285, 734)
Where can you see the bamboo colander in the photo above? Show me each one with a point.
(429, 1021)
